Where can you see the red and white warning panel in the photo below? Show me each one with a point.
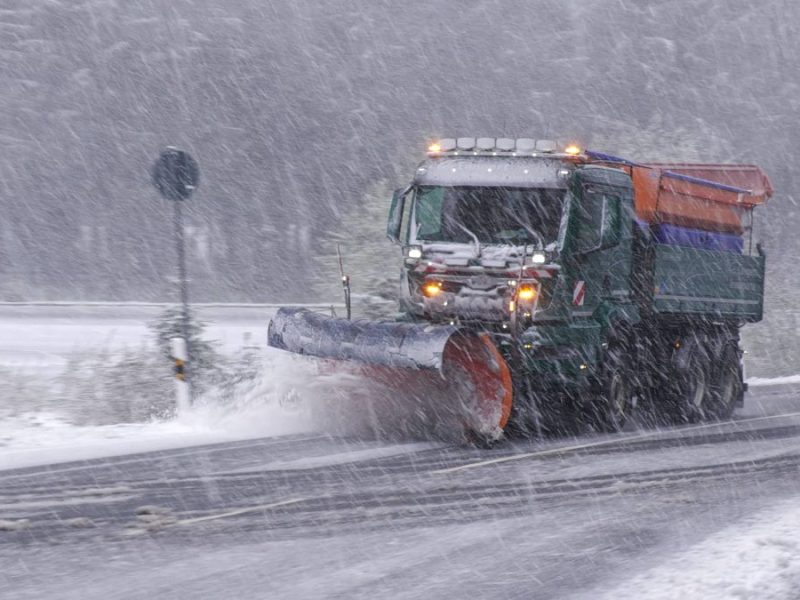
(578, 293)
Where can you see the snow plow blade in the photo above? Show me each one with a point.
(450, 381)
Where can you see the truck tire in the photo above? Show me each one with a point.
(691, 386)
(728, 385)
(616, 393)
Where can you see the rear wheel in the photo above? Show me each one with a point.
(691, 387)
(728, 386)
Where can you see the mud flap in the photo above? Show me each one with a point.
(445, 381)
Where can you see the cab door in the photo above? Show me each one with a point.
(598, 249)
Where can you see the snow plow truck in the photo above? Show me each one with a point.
(542, 282)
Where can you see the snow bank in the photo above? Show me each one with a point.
(759, 381)
(757, 559)
(274, 404)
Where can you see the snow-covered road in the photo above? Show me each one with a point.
(709, 510)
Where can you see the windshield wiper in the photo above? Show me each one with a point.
(474, 238)
(535, 235)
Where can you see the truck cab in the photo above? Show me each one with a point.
(482, 230)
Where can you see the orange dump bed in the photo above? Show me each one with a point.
(709, 197)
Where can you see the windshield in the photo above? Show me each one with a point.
(493, 215)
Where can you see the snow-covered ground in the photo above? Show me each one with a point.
(41, 337)
(38, 341)
(39, 439)
(757, 558)
(765, 381)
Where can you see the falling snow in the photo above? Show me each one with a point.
(284, 478)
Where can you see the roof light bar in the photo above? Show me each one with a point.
(516, 147)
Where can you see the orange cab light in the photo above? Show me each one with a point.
(432, 288)
(526, 292)
(572, 150)
(435, 148)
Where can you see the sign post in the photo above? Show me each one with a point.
(176, 176)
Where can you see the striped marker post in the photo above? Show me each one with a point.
(181, 357)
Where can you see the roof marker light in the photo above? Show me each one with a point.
(572, 150)
(465, 143)
(546, 146)
(505, 144)
(435, 148)
(526, 145)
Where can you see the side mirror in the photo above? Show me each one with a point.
(395, 222)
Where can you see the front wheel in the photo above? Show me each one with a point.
(616, 394)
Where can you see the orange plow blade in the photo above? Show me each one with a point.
(421, 380)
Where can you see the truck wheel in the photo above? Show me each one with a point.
(616, 394)
(727, 387)
(692, 389)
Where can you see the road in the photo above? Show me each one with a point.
(313, 516)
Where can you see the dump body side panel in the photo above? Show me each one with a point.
(712, 283)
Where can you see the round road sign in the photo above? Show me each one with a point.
(175, 174)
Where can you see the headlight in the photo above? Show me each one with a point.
(538, 258)
(414, 252)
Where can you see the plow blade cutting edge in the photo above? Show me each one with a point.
(449, 380)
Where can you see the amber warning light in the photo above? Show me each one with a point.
(432, 288)
(434, 148)
(526, 292)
